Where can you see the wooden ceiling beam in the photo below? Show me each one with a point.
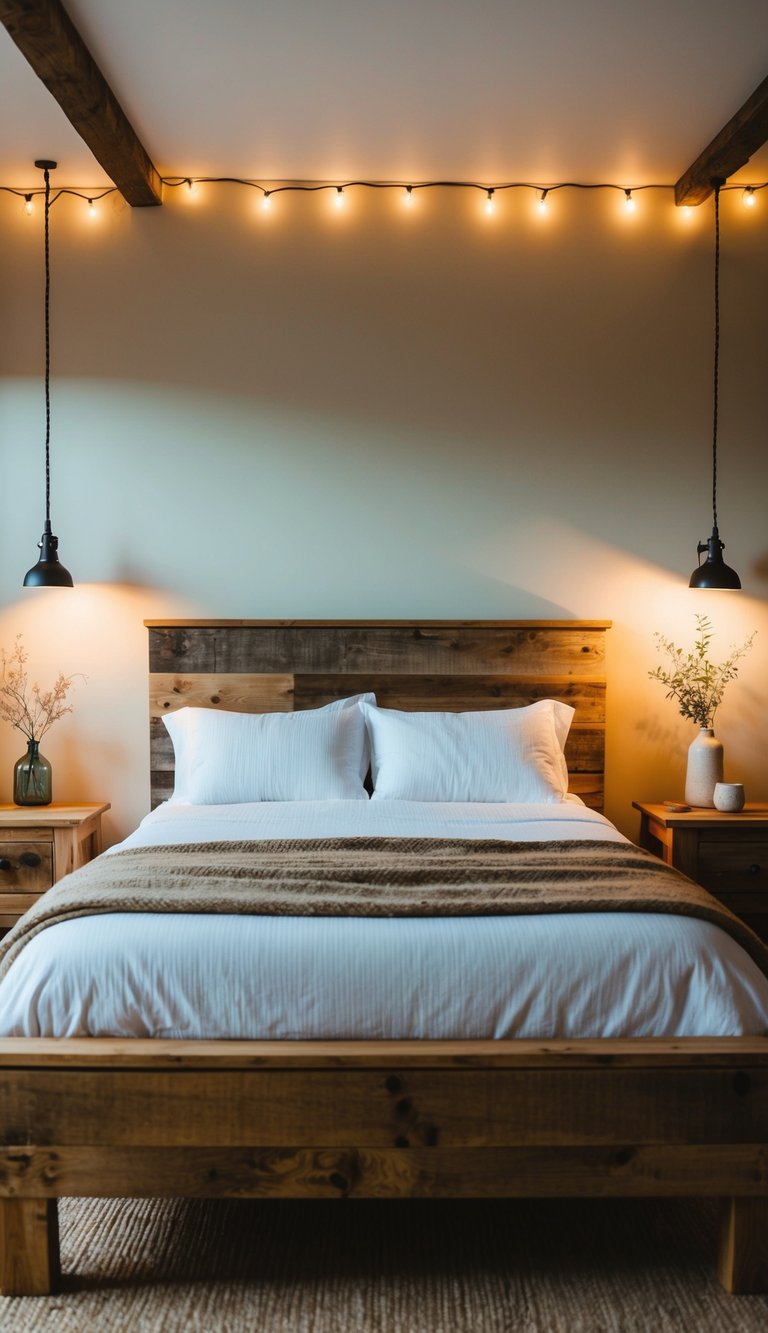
(47, 37)
(730, 150)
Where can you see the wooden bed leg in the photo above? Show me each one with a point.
(29, 1247)
(743, 1258)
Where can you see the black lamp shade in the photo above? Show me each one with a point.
(714, 573)
(49, 571)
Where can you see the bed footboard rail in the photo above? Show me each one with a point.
(129, 1118)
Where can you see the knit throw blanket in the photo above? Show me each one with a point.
(386, 877)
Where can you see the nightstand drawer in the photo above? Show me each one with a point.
(26, 867)
(734, 866)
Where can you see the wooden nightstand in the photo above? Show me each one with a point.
(727, 854)
(40, 844)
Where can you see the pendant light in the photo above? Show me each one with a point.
(48, 572)
(714, 573)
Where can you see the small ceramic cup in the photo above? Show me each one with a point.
(729, 797)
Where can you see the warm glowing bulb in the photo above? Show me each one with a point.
(490, 204)
(687, 211)
(191, 186)
(408, 196)
(543, 203)
(266, 200)
(92, 210)
(339, 201)
(629, 202)
(749, 198)
(28, 206)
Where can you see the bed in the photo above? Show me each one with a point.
(404, 1081)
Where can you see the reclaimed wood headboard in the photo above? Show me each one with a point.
(267, 666)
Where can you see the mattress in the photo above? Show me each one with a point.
(567, 975)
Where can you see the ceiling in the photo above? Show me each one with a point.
(627, 91)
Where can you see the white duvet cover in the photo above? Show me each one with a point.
(566, 975)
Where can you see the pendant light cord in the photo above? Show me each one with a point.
(716, 375)
(47, 354)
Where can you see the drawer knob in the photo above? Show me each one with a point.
(29, 859)
(754, 869)
(4, 863)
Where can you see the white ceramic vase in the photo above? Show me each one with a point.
(705, 769)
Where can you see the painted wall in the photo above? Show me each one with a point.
(383, 413)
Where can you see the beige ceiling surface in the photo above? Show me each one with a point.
(491, 90)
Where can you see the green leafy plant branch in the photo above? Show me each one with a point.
(697, 683)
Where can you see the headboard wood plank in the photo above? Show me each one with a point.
(460, 693)
(278, 666)
(437, 649)
(237, 693)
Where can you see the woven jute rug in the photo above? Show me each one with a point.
(417, 1266)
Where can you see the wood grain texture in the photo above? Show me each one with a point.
(567, 649)
(29, 1246)
(743, 1251)
(378, 624)
(235, 693)
(83, 1053)
(455, 693)
(618, 1171)
(47, 37)
(333, 1108)
(731, 149)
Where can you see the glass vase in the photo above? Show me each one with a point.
(32, 778)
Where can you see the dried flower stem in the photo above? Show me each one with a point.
(28, 708)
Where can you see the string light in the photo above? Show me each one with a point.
(92, 209)
(408, 190)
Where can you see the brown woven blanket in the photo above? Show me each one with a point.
(389, 877)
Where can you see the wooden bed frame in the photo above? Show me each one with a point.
(127, 1118)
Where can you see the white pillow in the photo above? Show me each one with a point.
(511, 754)
(223, 758)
